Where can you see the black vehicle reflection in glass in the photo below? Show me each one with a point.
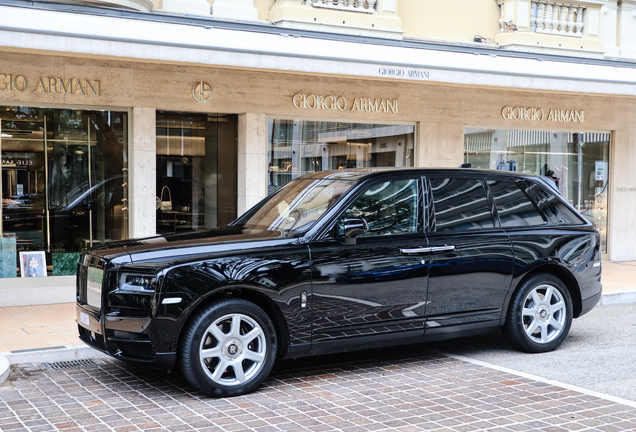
(347, 260)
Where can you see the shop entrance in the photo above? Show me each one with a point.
(64, 187)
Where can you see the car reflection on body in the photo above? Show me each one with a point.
(336, 261)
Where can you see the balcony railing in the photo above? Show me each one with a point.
(551, 17)
(557, 18)
(364, 6)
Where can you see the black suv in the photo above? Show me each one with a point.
(346, 260)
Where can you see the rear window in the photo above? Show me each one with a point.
(460, 204)
(557, 211)
(513, 205)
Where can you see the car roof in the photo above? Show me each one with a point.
(363, 173)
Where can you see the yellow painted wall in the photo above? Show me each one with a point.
(458, 20)
(263, 7)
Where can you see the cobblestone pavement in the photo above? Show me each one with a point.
(407, 389)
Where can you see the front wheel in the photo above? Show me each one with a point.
(539, 315)
(229, 348)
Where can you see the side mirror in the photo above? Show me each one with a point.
(354, 227)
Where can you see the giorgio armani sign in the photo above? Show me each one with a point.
(340, 103)
(539, 114)
(55, 85)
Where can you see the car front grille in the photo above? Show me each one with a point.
(90, 276)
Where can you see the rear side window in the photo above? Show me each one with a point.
(513, 205)
(460, 204)
(558, 212)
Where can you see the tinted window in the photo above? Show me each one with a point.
(513, 205)
(557, 210)
(389, 208)
(460, 204)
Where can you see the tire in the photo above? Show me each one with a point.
(539, 316)
(228, 349)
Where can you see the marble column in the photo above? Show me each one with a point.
(142, 173)
(252, 161)
(622, 197)
(440, 145)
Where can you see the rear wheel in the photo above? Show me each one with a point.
(539, 315)
(229, 348)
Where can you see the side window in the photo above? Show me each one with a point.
(389, 208)
(513, 205)
(557, 210)
(460, 204)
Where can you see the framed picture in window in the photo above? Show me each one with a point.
(32, 264)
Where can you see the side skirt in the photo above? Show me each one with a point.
(461, 330)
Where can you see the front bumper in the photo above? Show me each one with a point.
(122, 337)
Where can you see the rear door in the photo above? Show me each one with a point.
(471, 262)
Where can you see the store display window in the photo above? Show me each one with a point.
(64, 187)
(578, 163)
(299, 147)
(196, 171)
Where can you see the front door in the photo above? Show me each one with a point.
(377, 285)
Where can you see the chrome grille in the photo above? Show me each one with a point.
(90, 274)
(94, 281)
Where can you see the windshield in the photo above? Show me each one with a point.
(296, 207)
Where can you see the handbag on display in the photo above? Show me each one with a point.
(166, 205)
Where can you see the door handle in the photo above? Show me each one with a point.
(444, 248)
(416, 250)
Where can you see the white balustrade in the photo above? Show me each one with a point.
(558, 18)
(552, 17)
(365, 6)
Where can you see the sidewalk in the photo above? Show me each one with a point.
(54, 327)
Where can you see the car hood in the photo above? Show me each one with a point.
(174, 247)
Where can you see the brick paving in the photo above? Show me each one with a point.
(407, 389)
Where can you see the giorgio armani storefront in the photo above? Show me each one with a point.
(91, 155)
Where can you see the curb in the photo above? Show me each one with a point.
(5, 369)
(618, 298)
(44, 355)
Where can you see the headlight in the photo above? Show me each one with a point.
(137, 283)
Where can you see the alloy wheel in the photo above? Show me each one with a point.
(233, 349)
(544, 314)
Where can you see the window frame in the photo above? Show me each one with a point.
(520, 185)
(433, 213)
(329, 228)
(550, 216)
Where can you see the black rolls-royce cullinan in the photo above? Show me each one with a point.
(346, 260)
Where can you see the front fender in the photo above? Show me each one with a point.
(279, 277)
